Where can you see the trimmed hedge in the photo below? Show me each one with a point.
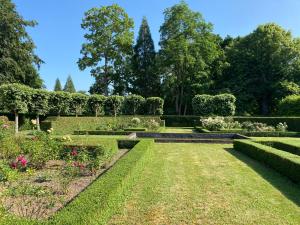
(100, 201)
(101, 132)
(284, 162)
(67, 125)
(290, 106)
(208, 105)
(191, 121)
(282, 146)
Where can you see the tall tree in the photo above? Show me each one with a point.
(109, 39)
(146, 79)
(69, 86)
(188, 51)
(18, 62)
(57, 86)
(262, 63)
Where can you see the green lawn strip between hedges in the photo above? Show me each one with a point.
(284, 162)
(105, 195)
(208, 184)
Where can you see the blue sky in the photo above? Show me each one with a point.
(58, 36)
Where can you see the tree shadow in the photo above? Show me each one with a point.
(287, 187)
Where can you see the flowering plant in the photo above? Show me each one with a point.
(20, 163)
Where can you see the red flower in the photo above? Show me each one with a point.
(13, 165)
(74, 152)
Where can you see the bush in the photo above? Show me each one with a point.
(257, 127)
(95, 104)
(219, 105)
(133, 104)
(78, 102)
(60, 102)
(154, 106)
(284, 162)
(213, 124)
(289, 106)
(113, 105)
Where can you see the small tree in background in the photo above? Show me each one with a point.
(155, 105)
(95, 104)
(133, 104)
(59, 102)
(78, 101)
(57, 86)
(113, 104)
(69, 86)
(15, 98)
(39, 104)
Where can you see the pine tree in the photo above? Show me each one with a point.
(69, 86)
(18, 62)
(146, 81)
(57, 86)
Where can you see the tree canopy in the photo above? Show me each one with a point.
(69, 86)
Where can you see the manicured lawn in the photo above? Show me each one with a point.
(209, 184)
(178, 130)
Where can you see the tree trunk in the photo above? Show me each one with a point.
(176, 103)
(38, 122)
(96, 113)
(185, 108)
(265, 105)
(16, 122)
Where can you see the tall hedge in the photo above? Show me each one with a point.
(60, 102)
(95, 104)
(113, 105)
(154, 106)
(133, 104)
(289, 106)
(78, 102)
(14, 98)
(39, 104)
(218, 105)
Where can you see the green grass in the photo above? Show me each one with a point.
(209, 184)
(178, 130)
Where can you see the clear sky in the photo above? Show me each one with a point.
(58, 36)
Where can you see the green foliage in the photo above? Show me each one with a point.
(67, 125)
(14, 98)
(39, 102)
(109, 39)
(207, 105)
(189, 51)
(57, 86)
(259, 64)
(289, 106)
(146, 79)
(281, 145)
(95, 104)
(101, 200)
(154, 106)
(284, 162)
(69, 86)
(133, 104)
(113, 105)
(18, 61)
(79, 101)
(60, 102)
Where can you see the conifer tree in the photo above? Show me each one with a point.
(146, 81)
(69, 86)
(57, 86)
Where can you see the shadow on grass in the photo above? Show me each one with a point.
(288, 188)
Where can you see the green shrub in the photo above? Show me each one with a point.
(60, 102)
(154, 106)
(289, 106)
(101, 200)
(283, 146)
(219, 105)
(78, 103)
(284, 162)
(113, 105)
(133, 104)
(95, 104)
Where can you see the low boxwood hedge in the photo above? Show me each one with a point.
(101, 132)
(282, 146)
(99, 201)
(284, 162)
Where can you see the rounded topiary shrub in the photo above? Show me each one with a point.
(154, 106)
(203, 105)
(133, 104)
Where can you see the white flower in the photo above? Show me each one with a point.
(33, 122)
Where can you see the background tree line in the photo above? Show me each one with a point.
(259, 69)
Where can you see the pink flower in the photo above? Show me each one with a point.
(74, 152)
(23, 162)
(13, 165)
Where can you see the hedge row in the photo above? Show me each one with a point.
(289, 106)
(100, 201)
(283, 146)
(191, 121)
(284, 162)
(67, 125)
(208, 105)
